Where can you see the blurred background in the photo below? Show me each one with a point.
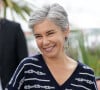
(84, 18)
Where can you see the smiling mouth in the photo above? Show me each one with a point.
(49, 49)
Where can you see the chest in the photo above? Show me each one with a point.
(48, 79)
(60, 74)
(45, 78)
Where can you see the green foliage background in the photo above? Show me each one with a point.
(89, 56)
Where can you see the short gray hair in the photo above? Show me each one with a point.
(54, 12)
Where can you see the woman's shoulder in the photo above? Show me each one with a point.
(27, 61)
(31, 59)
(85, 69)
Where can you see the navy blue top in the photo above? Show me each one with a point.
(33, 74)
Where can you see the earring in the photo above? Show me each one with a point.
(66, 45)
(65, 38)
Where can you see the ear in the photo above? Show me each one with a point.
(67, 31)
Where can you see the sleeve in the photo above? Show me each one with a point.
(17, 80)
(94, 86)
(88, 78)
(92, 82)
(22, 50)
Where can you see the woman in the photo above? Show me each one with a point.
(52, 69)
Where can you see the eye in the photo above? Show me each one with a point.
(38, 36)
(50, 33)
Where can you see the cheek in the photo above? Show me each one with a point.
(38, 43)
(61, 39)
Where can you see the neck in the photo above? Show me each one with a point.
(61, 59)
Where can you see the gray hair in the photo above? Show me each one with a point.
(55, 13)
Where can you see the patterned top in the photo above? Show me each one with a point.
(33, 74)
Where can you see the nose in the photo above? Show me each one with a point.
(45, 41)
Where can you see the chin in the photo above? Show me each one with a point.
(50, 55)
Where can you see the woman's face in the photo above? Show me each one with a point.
(50, 38)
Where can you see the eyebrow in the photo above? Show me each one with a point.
(37, 34)
(46, 32)
(50, 31)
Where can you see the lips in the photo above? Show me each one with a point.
(49, 49)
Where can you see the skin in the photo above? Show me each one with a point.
(50, 40)
(1, 4)
(98, 84)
